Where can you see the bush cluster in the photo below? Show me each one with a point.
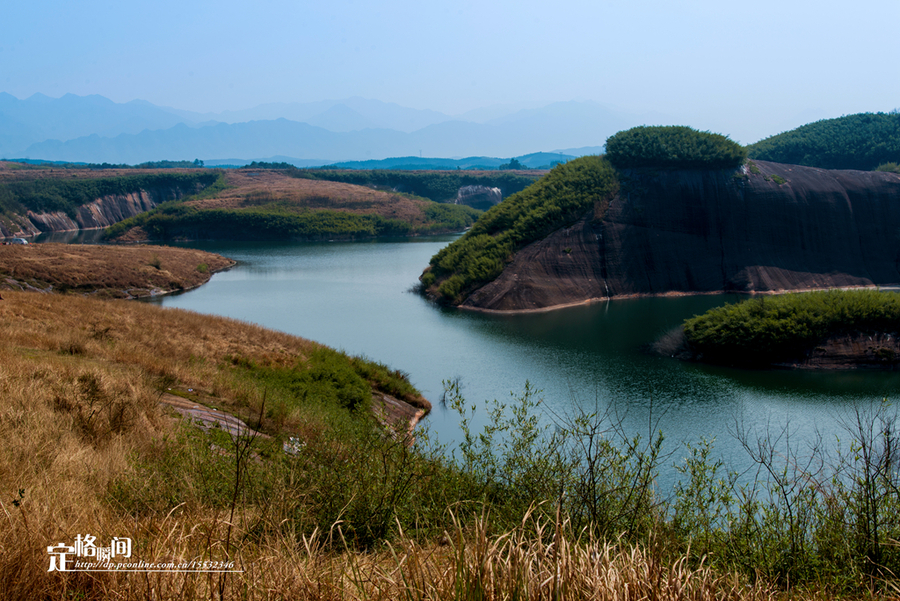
(769, 329)
(673, 147)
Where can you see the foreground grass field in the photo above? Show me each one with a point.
(329, 503)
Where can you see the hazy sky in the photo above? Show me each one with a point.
(747, 69)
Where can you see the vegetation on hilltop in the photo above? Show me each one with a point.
(180, 221)
(439, 186)
(862, 141)
(558, 199)
(269, 204)
(164, 164)
(769, 329)
(47, 194)
(177, 220)
(672, 147)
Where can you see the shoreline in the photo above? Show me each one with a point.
(672, 294)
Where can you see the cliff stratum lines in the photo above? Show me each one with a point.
(760, 227)
(35, 200)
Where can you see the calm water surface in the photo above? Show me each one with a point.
(355, 296)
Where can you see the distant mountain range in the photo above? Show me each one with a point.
(95, 129)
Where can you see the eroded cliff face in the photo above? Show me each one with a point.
(769, 227)
(478, 197)
(103, 212)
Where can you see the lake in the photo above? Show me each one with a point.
(356, 296)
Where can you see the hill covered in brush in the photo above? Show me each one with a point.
(861, 141)
(844, 328)
(270, 204)
(44, 198)
(106, 271)
(559, 198)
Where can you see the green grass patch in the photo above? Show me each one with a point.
(283, 221)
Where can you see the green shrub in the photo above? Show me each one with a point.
(673, 147)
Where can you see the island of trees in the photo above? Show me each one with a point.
(798, 329)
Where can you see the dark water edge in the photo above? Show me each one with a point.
(92, 236)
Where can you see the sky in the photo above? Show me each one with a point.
(745, 69)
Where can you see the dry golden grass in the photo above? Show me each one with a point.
(265, 187)
(119, 271)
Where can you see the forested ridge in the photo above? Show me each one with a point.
(862, 141)
(439, 186)
(46, 194)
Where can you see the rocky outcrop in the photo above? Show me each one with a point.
(767, 227)
(103, 212)
(478, 197)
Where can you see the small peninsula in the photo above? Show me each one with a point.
(106, 271)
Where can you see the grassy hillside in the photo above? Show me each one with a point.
(270, 204)
(862, 141)
(558, 199)
(109, 271)
(767, 329)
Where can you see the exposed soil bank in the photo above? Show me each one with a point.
(766, 227)
(842, 351)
